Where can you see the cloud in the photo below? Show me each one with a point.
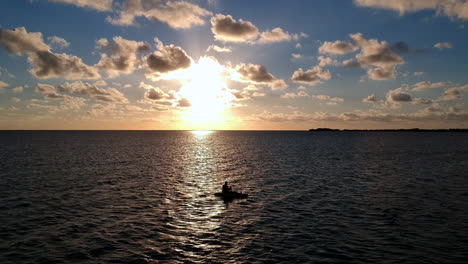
(101, 5)
(58, 42)
(312, 76)
(444, 45)
(45, 64)
(247, 93)
(424, 86)
(278, 35)
(337, 47)
(330, 100)
(184, 102)
(351, 64)
(258, 74)
(398, 95)
(153, 93)
(166, 59)
(324, 61)
(18, 89)
(110, 95)
(451, 94)
(378, 55)
(370, 99)
(48, 91)
(123, 58)
(419, 73)
(296, 56)
(176, 14)
(219, 49)
(226, 28)
(452, 8)
(3, 85)
(295, 95)
(421, 101)
(15, 100)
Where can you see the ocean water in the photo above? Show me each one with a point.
(147, 197)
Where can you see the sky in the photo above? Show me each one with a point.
(233, 65)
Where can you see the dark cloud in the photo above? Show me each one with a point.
(398, 96)
(226, 28)
(45, 64)
(312, 76)
(259, 74)
(167, 58)
(124, 55)
(400, 47)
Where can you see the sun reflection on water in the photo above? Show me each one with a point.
(196, 212)
(201, 133)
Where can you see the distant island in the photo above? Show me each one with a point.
(395, 130)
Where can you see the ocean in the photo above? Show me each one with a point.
(314, 197)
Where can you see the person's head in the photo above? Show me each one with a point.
(225, 182)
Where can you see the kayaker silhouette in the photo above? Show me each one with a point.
(226, 188)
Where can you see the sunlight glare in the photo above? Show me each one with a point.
(207, 91)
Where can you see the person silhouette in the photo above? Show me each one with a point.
(226, 188)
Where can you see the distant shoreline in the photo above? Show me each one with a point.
(394, 130)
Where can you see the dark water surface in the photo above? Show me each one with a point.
(147, 197)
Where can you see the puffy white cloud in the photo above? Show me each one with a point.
(278, 35)
(166, 59)
(452, 8)
(330, 100)
(123, 58)
(176, 14)
(258, 74)
(337, 47)
(378, 55)
(424, 86)
(295, 95)
(324, 61)
(219, 49)
(443, 45)
(58, 42)
(100, 5)
(226, 28)
(451, 94)
(45, 64)
(312, 76)
(370, 99)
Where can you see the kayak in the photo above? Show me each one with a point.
(231, 195)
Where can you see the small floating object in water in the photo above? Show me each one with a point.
(229, 196)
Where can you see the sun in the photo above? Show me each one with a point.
(208, 93)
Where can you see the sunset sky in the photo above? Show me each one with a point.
(219, 64)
